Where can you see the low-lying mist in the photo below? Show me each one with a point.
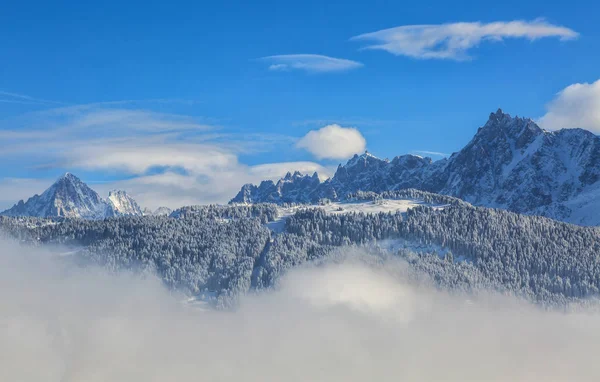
(345, 321)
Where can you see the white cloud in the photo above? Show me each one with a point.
(333, 141)
(454, 40)
(198, 185)
(14, 189)
(204, 186)
(577, 105)
(174, 190)
(313, 63)
(139, 156)
(341, 322)
(169, 160)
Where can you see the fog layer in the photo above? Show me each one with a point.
(347, 321)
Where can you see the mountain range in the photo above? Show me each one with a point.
(71, 198)
(510, 163)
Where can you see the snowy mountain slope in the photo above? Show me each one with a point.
(373, 207)
(69, 197)
(347, 207)
(510, 163)
(162, 211)
(123, 204)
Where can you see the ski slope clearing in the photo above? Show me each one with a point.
(373, 207)
(366, 207)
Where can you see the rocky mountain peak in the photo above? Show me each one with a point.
(509, 163)
(501, 125)
(70, 197)
(290, 177)
(364, 160)
(66, 180)
(123, 204)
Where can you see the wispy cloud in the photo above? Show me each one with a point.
(577, 105)
(430, 153)
(454, 40)
(348, 121)
(14, 189)
(9, 97)
(313, 63)
(168, 159)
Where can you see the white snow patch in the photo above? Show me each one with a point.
(366, 207)
(377, 206)
(518, 156)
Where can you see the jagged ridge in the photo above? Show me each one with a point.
(510, 163)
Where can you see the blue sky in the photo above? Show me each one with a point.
(181, 102)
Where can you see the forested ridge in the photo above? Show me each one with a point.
(229, 250)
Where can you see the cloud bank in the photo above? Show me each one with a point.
(165, 159)
(333, 142)
(454, 40)
(577, 105)
(341, 322)
(313, 63)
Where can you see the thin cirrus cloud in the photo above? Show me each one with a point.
(453, 41)
(430, 153)
(9, 97)
(577, 105)
(312, 63)
(333, 142)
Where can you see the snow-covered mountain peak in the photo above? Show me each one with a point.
(509, 163)
(66, 179)
(363, 160)
(123, 204)
(501, 125)
(70, 197)
(162, 211)
(292, 187)
(411, 160)
(68, 175)
(290, 177)
(499, 115)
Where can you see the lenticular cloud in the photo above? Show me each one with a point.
(454, 40)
